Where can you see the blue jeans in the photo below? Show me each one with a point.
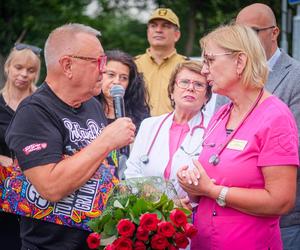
(291, 237)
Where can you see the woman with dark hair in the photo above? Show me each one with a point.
(121, 70)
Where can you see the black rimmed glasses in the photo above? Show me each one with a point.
(101, 60)
(185, 83)
(210, 58)
(34, 49)
(257, 30)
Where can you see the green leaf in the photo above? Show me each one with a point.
(118, 214)
(110, 228)
(159, 214)
(127, 203)
(163, 200)
(118, 204)
(98, 223)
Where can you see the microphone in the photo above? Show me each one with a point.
(117, 92)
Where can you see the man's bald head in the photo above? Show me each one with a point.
(62, 41)
(262, 19)
(257, 13)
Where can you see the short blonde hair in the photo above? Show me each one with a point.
(194, 66)
(29, 56)
(239, 38)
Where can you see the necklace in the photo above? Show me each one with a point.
(215, 158)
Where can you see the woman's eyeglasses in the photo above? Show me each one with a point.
(34, 49)
(185, 83)
(210, 58)
(101, 60)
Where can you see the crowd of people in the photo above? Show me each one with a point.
(236, 168)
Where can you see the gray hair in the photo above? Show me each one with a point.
(59, 40)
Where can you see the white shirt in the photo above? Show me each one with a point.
(159, 155)
(271, 62)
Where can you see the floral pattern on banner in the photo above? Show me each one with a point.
(19, 196)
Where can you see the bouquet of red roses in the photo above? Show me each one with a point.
(136, 219)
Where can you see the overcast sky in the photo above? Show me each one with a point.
(93, 9)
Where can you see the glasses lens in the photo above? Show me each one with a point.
(102, 62)
(199, 85)
(183, 83)
(34, 49)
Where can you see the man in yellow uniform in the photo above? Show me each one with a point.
(160, 59)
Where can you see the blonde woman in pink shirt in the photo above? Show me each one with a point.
(246, 174)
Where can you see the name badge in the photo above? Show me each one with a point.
(237, 144)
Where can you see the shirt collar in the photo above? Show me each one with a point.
(165, 58)
(271, 62)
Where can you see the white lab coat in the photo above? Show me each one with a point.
(159, 155)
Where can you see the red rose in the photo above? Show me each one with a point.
(159, 242)
(171, 247)
(139, 245)
(93, 240)
(178, 217)
(149, 221)
(166, 229)
(123, 243)
(190, 230)
(125, 228)
(142, 234)
(110, 247)
(181, 240)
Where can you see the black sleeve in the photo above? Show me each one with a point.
(5, 118)
(34, 137)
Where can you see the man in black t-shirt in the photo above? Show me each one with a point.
(58, 134)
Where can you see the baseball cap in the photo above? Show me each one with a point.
(166, 14)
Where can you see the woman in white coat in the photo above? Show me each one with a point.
(165, 143)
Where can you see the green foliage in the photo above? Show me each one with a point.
(31, 21)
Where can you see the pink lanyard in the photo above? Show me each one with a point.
(215, 158)
(156, 134)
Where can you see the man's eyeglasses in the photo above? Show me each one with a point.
(257, 30)
(101, 60)
(210, 58)
(185, 83)
(34, 49)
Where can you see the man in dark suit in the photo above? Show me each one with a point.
(284, 82)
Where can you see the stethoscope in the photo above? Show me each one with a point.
(214, 159)
(145, 158)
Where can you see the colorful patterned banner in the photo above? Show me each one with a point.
(19, 196)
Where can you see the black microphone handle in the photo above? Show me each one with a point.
(119, 108)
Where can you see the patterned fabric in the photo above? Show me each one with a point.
(19, 196)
